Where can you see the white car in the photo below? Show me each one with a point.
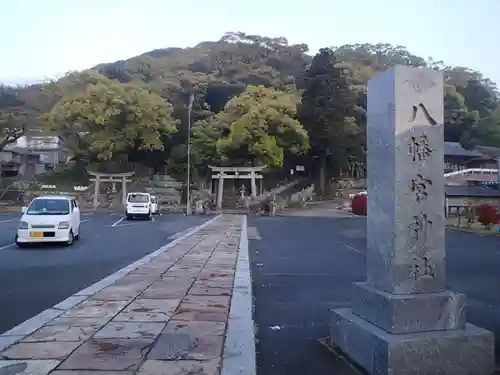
(138, 205)
(49, 219)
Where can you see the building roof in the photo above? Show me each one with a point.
(471, 191)
(456, 149)
(492, 152)
(20, 151)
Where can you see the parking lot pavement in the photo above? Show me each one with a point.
(36, 278)
(304, 266)
(185, 309)
(8, 224)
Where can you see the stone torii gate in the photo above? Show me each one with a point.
(113, 178)
(235, 173)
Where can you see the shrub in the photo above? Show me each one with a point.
(487, 215)
(359, 204)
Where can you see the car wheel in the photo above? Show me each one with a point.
(77, 237)
(128, 217)
(20, 244)
(71, 238)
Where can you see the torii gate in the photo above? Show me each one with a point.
(234, 173)
(109, 177)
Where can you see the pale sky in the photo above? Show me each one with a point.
(45, 39)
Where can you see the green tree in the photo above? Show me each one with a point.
(12, 116)
(327, 112)
(458, 120)
(479, 97)
(103, 120)
(486, 132)
(20, 111)
(257, 127)
(468, 97)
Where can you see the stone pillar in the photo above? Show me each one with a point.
(22, 165)
(220, 190)
(446, 207)
(254, 185)
(96, 190)
(403, 320)
(199, 207)
(124, 190)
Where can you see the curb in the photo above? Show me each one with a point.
(471, 231)
(239, 348)
(26, 328)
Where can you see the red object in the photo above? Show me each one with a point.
(487, 214)
(359, 204)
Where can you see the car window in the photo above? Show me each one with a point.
(138, 198)
(49, 207)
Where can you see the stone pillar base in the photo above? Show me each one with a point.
(406, 313)
(468, 351)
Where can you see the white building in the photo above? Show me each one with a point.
(45, 153)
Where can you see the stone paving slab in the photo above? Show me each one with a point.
(169, 314)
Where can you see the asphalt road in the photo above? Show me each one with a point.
(36, 278)
(304, 266)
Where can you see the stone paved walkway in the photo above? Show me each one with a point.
(169, 316)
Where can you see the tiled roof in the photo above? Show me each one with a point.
(455, 149)
(492, 152)
(20, 151)
(471, 191)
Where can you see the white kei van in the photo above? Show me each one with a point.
(138, 205)
(50, 218)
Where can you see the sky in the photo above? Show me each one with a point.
(45, 39)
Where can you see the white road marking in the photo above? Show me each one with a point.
(253, 233)
(351, 248)
(7, 246)
(179, 234)
(6, 221)
(129, 224)
(85, 220)
(117, 222)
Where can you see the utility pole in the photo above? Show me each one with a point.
(188, 188)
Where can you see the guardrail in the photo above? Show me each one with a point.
(471, 171)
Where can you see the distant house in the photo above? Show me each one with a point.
(49, 152)
(490, 156)
(457, 158)
(18, 162)
(460, 196)
(472, 189)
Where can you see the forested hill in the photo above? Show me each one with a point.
(219, 71)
